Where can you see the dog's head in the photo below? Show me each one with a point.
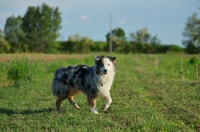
(104, 65)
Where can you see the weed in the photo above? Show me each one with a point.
(19, 71)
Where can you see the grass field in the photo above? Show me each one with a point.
(150, 93)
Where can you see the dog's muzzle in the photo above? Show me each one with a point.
(105, 71)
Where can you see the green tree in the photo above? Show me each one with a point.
(141, 36)
(192, 34)
(155, 40)
(82, 44)
(14, 33)
(144, 37)
(118, 39)
(41, 25)
(100, 46)
(4, 45)
(77, 44)
(143, 41)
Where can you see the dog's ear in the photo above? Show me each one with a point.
(113, 59)
(96, 58)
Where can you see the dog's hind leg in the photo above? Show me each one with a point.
(108, 102)
(71, 100)
(59, 101)
(70, 97)
(92, 105)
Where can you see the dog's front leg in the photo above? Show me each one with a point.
(92, 105)
(108, 102)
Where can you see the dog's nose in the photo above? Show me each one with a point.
(105, 70)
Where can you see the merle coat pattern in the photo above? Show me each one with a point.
(94, 81)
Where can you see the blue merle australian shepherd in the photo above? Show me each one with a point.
(94, 81)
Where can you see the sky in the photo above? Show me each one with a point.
(91, 18)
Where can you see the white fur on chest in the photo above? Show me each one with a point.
(104, 84)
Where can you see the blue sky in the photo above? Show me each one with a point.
(165, 18)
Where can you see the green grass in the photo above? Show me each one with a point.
(148, 95)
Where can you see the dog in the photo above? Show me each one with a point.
(95, 81)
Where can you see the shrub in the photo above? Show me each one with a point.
(193, 60)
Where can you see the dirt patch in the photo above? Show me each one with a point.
(42, 57)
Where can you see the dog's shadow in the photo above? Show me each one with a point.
(25, 112)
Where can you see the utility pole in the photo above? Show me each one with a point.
(110, 40)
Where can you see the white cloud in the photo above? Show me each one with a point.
(122, 21)
(85, 18)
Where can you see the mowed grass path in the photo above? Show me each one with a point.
(149, 94)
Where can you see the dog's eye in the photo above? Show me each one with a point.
(108, 64)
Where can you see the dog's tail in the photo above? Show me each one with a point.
(54, 86)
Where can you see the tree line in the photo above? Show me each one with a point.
(37, 31)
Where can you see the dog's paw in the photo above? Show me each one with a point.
(94, 111)
(76, 106)
(105, 107)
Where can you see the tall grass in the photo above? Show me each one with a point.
(148, 95)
